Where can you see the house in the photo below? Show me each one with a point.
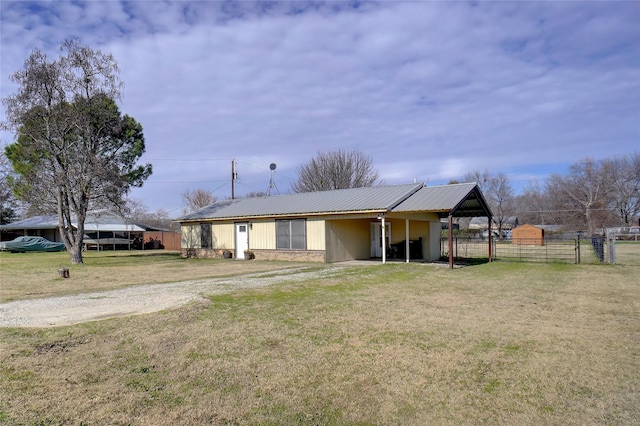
(331, 226)
(103, 230)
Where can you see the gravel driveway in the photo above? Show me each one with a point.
(67, 310)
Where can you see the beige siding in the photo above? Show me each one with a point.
(433, 242)
(315, 234)
(262, 235)
(190, 236)
(348, 240)
(337, 240)
(223, 236)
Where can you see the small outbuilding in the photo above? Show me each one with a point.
(528, 235)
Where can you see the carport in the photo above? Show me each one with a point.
(447, 201)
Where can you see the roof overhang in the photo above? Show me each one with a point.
(472, 205)
(372, 213)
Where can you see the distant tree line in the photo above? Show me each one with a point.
(592, 195)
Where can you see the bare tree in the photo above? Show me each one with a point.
(158, 219)
(498, 192)
(622, 177)
(198, 198)
(581, 195)
(501, 200)
(339, 169)
(481, 178)
(73, 145)
(137, 211)
(533, 205)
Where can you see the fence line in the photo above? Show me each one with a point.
(534, 250)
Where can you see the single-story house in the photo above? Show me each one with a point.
(103, 230)
(382, 222)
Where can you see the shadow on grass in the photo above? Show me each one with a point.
(465, 261)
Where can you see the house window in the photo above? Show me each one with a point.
(291, 234)
(205, 235)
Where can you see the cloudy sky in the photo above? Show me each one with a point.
(429, 90)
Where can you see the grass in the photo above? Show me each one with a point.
(410, 344)
(35, 275)
(627, 252)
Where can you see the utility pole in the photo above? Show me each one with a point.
(234, 176)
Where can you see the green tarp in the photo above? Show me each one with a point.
(24, 244)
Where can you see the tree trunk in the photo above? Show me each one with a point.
(591, 229)
(72, 239)
(76, 254)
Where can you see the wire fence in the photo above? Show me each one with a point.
(597, 249)
(623, 245)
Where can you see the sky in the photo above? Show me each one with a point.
(429, 90)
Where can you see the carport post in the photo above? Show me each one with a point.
(406, 239)
(490, 239)
(450, 241)
(384, 242)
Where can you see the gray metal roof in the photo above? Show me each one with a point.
(353, 200)
(99, 220)
(106, 221)
(36, 222)
(463, 199)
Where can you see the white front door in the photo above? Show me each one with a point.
(242, 239)
(376, 237)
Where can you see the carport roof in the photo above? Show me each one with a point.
(459, 200)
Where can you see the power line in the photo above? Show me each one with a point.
(187, 159)
(180, 181)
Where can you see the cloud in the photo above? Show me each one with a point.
(431, 90)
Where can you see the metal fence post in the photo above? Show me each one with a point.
(612, 250)
(546, 252)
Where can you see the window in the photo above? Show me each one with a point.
(205, 235)
(291, 234)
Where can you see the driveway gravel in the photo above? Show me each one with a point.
(74, 309)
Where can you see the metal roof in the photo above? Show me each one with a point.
(106, 221)
(352, 200)
(99, 220)
(461, 200)
(458, 199)
(36, 222)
